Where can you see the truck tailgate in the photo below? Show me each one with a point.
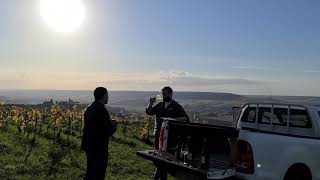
(219, 170)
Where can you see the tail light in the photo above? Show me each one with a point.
(245, 163)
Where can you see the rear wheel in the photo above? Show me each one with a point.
(298, 172)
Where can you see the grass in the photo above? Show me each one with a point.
(50, 157)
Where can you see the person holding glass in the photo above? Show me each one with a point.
(168, 108)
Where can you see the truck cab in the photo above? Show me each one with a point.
(284, 139)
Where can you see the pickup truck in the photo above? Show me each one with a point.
(268, 141)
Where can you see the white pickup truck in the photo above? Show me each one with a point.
(268, 141)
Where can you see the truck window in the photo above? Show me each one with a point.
(249, 115)
(279, 116)
(319, 113)
(299, 118)
(264, 116)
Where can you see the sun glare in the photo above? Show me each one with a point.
(62, 15)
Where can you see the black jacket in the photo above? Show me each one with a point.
(173, 110)
(97, 128)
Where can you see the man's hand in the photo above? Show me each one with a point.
(153, 100)
(150, 106)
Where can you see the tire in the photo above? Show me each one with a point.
(182, 175)
(298, 172)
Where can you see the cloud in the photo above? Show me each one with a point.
(256, 68)
(10, 84)
(211, 81)
(179, 80)
(312, 71)
(120, 81)
(188, 79)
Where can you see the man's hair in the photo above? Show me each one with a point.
(99, 92)
(167, 88)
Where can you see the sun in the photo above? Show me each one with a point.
(63, 15)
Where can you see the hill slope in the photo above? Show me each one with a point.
(50, 158)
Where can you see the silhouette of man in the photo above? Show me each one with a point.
(96, 132)
(168, 108)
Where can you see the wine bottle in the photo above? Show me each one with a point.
(189, 151)
(178, 148)
(204, 154)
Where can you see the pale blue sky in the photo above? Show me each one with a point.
(266, 47)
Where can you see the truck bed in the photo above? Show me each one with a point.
(221, 164)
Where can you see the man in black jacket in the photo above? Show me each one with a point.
(168, 108)
(96, 132)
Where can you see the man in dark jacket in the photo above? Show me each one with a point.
(168, 108)
(96, 132)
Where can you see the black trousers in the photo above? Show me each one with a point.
(161, 172)
(96, 165)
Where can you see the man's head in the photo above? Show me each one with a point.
(101, 94)
(167, 93)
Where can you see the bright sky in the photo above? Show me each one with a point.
(269, 47)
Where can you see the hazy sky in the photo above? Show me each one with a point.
(269, 47)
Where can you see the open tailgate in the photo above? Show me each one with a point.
(218, 170)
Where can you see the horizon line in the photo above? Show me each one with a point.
(158, 91)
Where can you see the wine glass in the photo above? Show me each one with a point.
(159, 97)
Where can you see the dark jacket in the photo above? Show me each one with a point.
(97, 128)
(173, 110)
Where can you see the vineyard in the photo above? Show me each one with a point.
(26, 131)
(29, 120)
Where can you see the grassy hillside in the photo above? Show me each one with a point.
(52, 158)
